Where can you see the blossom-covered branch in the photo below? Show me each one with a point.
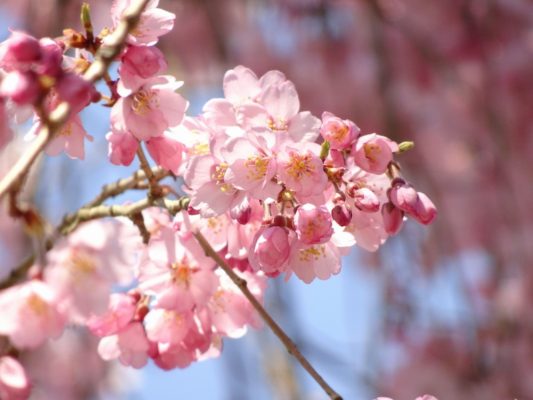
(53, 122)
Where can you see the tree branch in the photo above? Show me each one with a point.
(122, 185)
(57, 118)
(276, 329)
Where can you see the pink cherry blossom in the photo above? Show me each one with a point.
(166, 151)
(301, 170)
(240, 85)
(210, 193)
(70, 138)
(277, 109)
(270, 250)
(122, 147)
(14, 383)
(315, 261)
(250, 168)
(151, 109)
(167, 326)
(130, 346)
(121, 311)
(230, 311)
(339, 133)
(373, 152)
(138, 64)
(176, 271)
(30, 315)
(367, 228)
(154, 22)
(83, 267)
(313, 224)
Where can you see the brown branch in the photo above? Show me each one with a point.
(71, 221)
(155, 191)
(133, 182)
(57, 118)
(276, 329)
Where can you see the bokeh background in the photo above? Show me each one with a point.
(443, 310)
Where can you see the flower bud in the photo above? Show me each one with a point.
(52, 56)
(21, 87)
(313, 224)
(74, 90)
(404, 196)
(144, 61)
(242, 212)
(392, 218)
(425, 211)
(271, 249)
(341, 214)
(20, 48)
(365, 200)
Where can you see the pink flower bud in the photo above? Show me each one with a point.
(74, 90)
(425, 211)
(139, 63)
(342, 214)
(122, 147)
(373, 152)
(52, 56)
(392, 218)
(242, 212)
(339, 133)
(271, 250)
(21, 87)
(145, 61)
(365, 200)
(404, 197)
(20, 48)
(313, 224)
(14, 383)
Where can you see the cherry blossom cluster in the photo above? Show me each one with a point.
(275, 190)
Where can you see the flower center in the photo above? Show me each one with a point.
(300, 165)
(256, 167)
(143, 101)
(277, 125)
(37, 305)
(312, 253)
(372, 151)
(218, 177)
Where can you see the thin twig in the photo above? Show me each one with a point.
(57, 118)
(71, 221)
(276, 329)
(155, 190)
(122, 185)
